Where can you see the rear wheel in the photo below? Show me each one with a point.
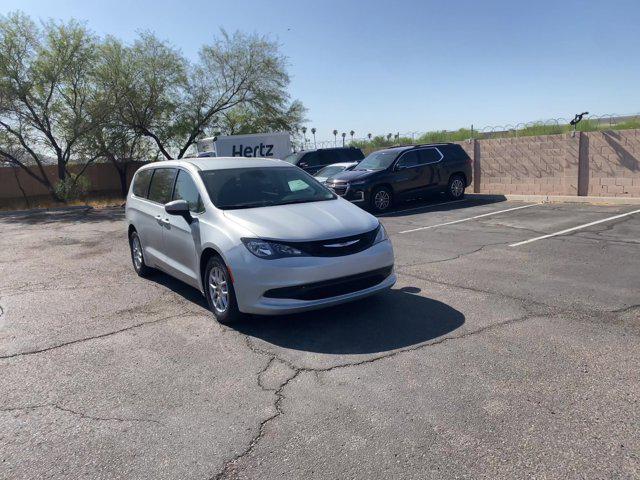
(381, 199)
(456, 186)
(219, 291)
(137, 255)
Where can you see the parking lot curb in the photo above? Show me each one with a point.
(557, 199)
(10, 213)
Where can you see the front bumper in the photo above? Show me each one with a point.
(353, 193)
(256, 279)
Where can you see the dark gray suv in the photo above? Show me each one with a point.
(313, 160)
(403, 173)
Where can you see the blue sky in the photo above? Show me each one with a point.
(389, 66)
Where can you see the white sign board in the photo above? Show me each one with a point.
(267, 145)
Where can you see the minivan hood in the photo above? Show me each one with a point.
(305, 221)
(352, 175)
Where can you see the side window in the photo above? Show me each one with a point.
(162, 185)
(331, 156)
(409, 159)
(429, 155)
(141, 183)
(186, 189)
(312, 159)
(355, 154)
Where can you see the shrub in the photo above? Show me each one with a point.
(72, 187)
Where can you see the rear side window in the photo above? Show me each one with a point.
(186, 189)
(162, 185)
(141, 183)
(332, 156)
(355, 154)
(311, 159)
(429, 155)
(409, 159)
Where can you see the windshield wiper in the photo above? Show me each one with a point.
(245, 205)
(305, 201)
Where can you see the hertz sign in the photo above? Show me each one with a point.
(266, 145)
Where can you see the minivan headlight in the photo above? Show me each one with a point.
(270, 250)
(381, 236)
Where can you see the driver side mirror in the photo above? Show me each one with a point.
(181, 208)
(303, 164)
(399, 167)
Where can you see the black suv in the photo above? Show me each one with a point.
(313, 160)
(403, 173)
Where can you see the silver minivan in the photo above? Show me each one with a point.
(254, 236)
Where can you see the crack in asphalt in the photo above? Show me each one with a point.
(93, 337)
(230, 466)
(77, 413)
(625, 309)
(456, 257)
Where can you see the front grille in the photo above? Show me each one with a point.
(337, 247)
(332, 288)
(339, 189)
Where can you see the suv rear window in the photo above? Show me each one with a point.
(454, 152)
(141, 183)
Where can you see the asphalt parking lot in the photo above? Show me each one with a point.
(490, 358)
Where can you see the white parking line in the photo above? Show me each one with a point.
(469, 218)
(427, 206)
(579, 227)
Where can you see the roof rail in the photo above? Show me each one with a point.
(415, 145)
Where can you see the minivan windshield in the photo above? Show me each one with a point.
(377, 160)
(235, 188)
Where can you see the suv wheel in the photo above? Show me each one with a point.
(381, 199)
(456, 186)
(219, 291)
(137, 256)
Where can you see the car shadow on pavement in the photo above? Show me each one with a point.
(392, 320)
(434, 203)
(185, 291)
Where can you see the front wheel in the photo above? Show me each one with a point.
(381, 199)
(456, 186)
(219, 291)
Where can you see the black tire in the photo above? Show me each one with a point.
(455, 187)
(137, 256)
(230, 313)
(381, 199)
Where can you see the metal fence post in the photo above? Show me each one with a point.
(477, 169)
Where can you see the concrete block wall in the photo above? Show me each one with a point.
(614, 163)
(103, 179)
(529, 165)
(593, 163)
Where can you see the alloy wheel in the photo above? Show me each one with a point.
(137, 252)
(457, 188)
(219, 289)
(382, 200)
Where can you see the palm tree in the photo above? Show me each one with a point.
(369, 135)
(335, 138)
(389, 135)
(343, 135)
(304, 135)
(313, 132)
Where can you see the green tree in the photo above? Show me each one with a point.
(45, 93)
